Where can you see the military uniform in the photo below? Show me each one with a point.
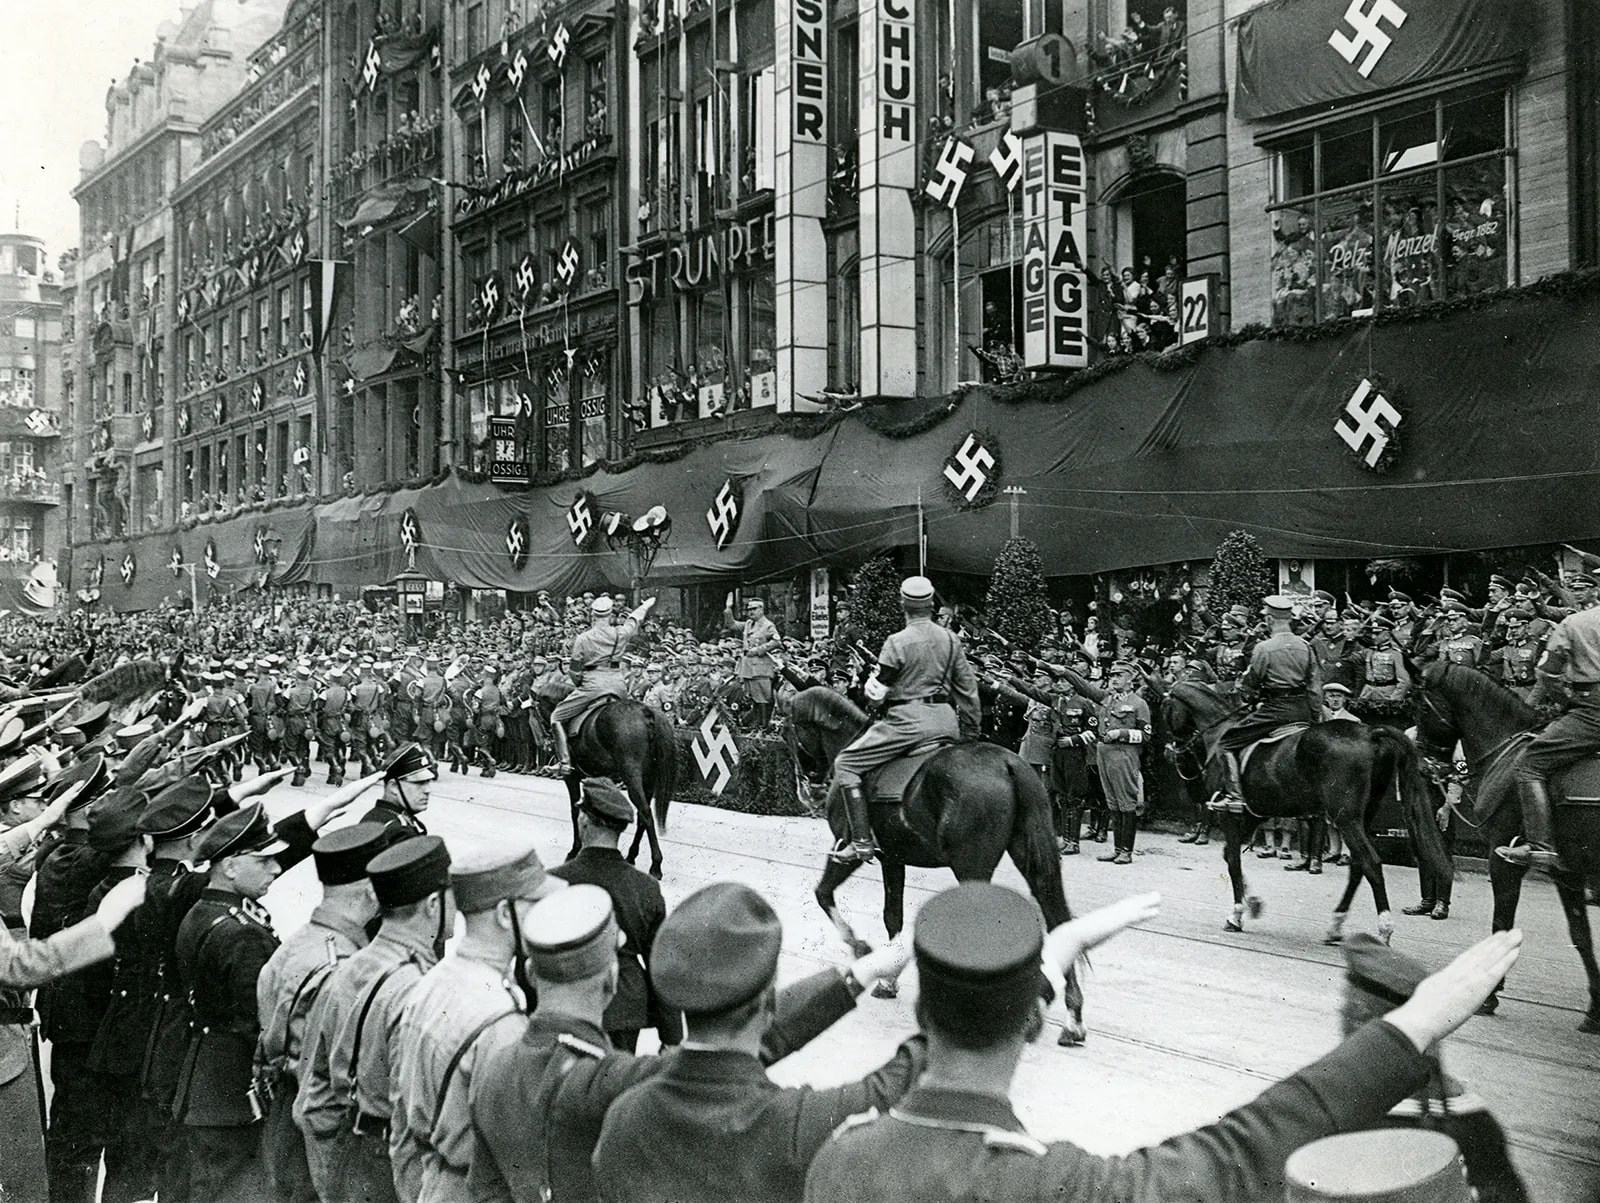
(299, 701)
(1284, 675)
(1069, 763)
(369, 723)
(333, 734)
(433, 711)
(758, 637)
(640, 908)
(459, 1011)
(597, 661)
(1387, 678)
(261, 706)
(932, 693)
(492, 711)
(288, 988)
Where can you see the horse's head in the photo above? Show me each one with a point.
(1433, 704)
(821, 723)
(1192, 707)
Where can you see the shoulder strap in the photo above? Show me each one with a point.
(460, 1053)
(317, 976)
(566, 1056)
(361, 1020)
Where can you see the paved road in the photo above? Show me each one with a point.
(1186, 1021)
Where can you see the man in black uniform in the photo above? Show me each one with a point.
(407, 781)
(604, 813)
(955, 1135)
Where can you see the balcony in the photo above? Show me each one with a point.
(35, 488)
(115, 435)
(412, 149)
(277, 78)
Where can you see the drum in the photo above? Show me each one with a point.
(1385, 1165)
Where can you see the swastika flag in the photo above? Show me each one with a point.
(715, 752)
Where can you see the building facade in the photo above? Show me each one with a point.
(31, 406)
(121, 385)
(247, 225)
(536, 203)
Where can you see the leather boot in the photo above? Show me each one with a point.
(1539, 851)
(558, 732)
(1230, 770)
(863, 847)
(1115, 850)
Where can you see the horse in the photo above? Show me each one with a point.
(1494, 726)
(636, 747)
(963, 809)
(1340, 770)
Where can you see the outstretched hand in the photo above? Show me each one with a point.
(1069, 941)
(1443, 1001)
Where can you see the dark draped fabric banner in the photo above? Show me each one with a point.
(1298, 53)
(1152, 464)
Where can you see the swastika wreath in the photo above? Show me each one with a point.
(1368, 422)
(971, 471)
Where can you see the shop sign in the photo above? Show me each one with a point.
(704, 258)
(809, 73)
(506, 466)
(1055, 228)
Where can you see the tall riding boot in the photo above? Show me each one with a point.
(1537, 827)
(863, 847)
(1130, 827)
(1072, 825)
(558, 732)
(1115, 851)
(1235, 786)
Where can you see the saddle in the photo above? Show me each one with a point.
(889, 783)
(1276, 736)
(584, 717)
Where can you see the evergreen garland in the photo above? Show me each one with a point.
(874, 597)
(1018, 606)
(1239, 574)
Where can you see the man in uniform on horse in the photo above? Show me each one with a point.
(1285, 678)
(596, 665)
(1573, 653)
(928, 691)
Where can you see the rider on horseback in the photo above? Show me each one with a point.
(1573, 652)
(596, 664)
(927, 690)
(1287, 681)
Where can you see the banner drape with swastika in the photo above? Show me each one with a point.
(1298, 53)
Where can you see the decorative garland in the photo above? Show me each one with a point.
(965, 449)
(1380, 386)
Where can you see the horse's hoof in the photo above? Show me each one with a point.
(1333, 938)
(1253, 906)
(1230, 925)
(858, 948)
(885, 990)
(655, 871)
(1590, 1025)
(1489, 1005)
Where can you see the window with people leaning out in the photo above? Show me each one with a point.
(1390, 210)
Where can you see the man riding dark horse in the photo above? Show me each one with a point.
(1573, 652)
(1285, 678)
(927, 690)
(597, 666)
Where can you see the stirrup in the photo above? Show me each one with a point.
(1532, 856)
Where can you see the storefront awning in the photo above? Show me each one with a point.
(1297, 53)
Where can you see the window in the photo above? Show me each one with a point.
(592, 407)
(475, 33)
(127, 392)
(285, 320)
(16, 458)
(758, 120)
(597, 251)
(241, 327)
(23, 327)
(225, 345)
(557, 420)
(513, 246)
(474, 267)
(305, 312)
(188, 477)
(18, 540)
(1391, 210)
(263, 328)
(554, 118)
(148, 502)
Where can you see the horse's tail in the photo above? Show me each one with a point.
(1033, 842)
(663, 743)
(1416, 802)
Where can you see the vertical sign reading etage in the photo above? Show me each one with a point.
(801, 167)
(888, 178)
(1055, 227)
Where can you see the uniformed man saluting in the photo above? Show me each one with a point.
(596, 666)
(927, 690)
(955, 1136)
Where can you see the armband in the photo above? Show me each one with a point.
(1134, 736)
(875, 689)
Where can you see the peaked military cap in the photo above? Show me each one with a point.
(716, 950)
(92, 771)
(245, 832)
(410, 871)
(412, 762)
(178, 811)
(342, 856)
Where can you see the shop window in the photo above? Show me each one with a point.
(557, 421)
(1390, 211)
(593, 407)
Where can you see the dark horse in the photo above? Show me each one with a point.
(1341, 770)
(966, 807)
(1494, 726)
(634, 746)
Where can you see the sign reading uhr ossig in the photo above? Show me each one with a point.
(506, 465)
